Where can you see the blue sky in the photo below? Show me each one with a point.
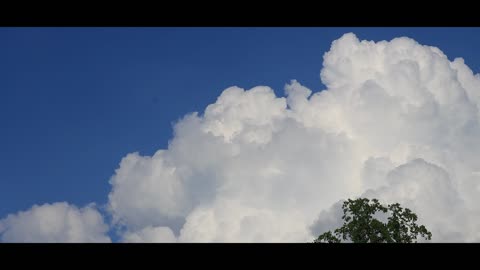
(74, 101)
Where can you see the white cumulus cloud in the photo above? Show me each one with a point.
(398, 120)
(57, 222)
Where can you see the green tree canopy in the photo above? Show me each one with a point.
(360, 225)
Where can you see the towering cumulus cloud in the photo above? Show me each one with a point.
(398, 121)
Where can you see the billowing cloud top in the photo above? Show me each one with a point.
(398, 121)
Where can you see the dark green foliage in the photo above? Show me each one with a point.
(361, 227)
